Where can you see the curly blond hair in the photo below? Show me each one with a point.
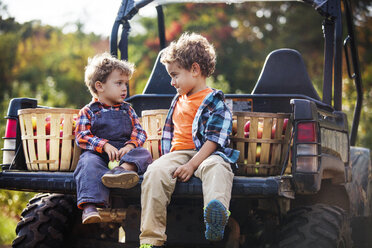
(99, 68)
(189, 49)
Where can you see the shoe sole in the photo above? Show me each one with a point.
(123, 181)
(96, 218)
(215, 218)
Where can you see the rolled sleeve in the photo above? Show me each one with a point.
(218, 126)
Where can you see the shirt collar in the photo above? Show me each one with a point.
(94, 100)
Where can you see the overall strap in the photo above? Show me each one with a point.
(94, 107)
(124, 106)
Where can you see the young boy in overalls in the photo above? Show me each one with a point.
(108, 129)
(194, 140)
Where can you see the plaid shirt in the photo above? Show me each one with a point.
(213, 121)
(88, 141)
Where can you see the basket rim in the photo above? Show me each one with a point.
(48, 111)
(261, 114)
(154, 112)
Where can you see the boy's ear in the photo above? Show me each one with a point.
(195, 69)
(99, 86)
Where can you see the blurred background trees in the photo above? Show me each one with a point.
(43, 62)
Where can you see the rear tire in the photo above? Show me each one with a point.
(316, 226)
(45, 221)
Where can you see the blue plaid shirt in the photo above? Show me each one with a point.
(213, 121)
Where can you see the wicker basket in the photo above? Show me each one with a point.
(153, 122)
(53, 149)
(261, 156)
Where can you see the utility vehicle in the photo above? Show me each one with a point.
(321, 188)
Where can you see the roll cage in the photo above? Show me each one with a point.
(333, 45)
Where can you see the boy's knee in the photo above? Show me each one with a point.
(214, 165)
(157, 173)
(215, 162)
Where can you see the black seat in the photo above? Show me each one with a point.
(159, 81)
(284, 72)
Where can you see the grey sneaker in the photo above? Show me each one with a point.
(215, 219)
(120, 178)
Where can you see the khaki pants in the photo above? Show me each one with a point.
(158, 185)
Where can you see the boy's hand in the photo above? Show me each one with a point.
(124, 150)
(111, 151)
(184, 172)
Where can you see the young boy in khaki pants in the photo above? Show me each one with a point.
(194, 142)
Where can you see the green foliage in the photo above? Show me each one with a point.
(11, 206)
(7, 229)
(14, 200)
(219, 83)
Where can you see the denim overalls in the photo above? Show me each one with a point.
(115, 126)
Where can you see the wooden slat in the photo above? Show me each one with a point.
(66, 143)
(154, 132)
(276, 148)
(41, 141)
(240, 134)
(31, 143)
(261, 114)
(54, 142)
(145, 120)
(24, 141)
(252, 147)
(44, 161)
(249, 140)
(265, 148)
(76, 150)
(154, 112)
(287, 135)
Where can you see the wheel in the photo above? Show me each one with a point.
(45, 221)
(258, 230)
(316, 226)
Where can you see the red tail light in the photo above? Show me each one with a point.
(11, 128)
(306, 132)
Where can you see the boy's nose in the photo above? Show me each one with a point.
(172, 82)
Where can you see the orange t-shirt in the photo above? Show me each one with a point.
(183, 117)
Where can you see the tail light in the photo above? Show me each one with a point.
(11, 128)
(9, 141)
(307, 147)
(306, 132)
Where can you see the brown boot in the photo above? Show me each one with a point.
(90, 214)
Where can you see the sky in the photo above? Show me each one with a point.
(97, 16)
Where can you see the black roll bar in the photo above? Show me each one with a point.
(337, 70)
(161, 27)
(126, 12)
(328, 28)
(356, 76)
